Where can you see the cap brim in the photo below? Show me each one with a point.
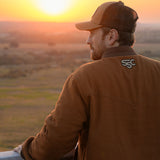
(87, 26)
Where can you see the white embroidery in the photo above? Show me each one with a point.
(129, 63)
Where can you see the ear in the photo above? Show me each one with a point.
(113, 37)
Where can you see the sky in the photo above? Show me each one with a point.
(70, 10)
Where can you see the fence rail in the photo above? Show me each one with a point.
(10, 155)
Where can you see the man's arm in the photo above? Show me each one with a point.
(60, 132)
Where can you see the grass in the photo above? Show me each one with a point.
(5, 106)
(26, 101)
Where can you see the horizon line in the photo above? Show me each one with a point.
(71, 22)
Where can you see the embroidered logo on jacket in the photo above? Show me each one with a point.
(129, 63)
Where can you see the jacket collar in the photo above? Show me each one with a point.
(119, 51)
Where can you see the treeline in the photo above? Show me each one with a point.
(22, 65)
(142, 36)
(52, 38)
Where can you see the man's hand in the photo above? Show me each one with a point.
(18, 149)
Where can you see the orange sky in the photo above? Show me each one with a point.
(72, 11)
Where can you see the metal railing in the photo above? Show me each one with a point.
(10, 155)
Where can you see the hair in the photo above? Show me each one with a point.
(125, 38)
(105, 31)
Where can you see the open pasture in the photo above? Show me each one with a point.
(30, 82)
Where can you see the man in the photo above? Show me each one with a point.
(111, 106)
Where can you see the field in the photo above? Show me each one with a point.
(25, 102)
(31, 78)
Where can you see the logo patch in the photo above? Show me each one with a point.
(129, 63)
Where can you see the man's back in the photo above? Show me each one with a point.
(124, 114)
(110, 106)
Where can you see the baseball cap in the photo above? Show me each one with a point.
(114, 15)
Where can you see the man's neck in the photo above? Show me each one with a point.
(118, 51)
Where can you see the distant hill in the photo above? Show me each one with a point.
(44, 27)
(148, 33)
(148, 26)
(50, 32)
(35, 32)
(52, 27)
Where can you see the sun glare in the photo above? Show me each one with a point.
(54, 7)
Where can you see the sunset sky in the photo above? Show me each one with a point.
(70, 10)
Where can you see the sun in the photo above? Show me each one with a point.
(54, 7)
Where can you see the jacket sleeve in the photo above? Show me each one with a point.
(60, 132)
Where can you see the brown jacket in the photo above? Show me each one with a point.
(110, 106)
